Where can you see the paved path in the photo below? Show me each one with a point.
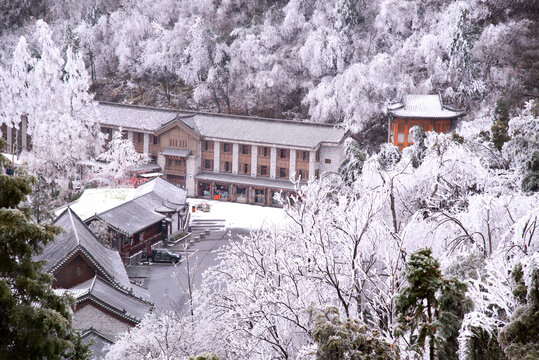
(167, 283)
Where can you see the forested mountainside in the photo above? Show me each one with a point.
(327, 60)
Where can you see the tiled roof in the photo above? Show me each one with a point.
(246, 180)
(175, 152)
(103, 293)
(96, 341)
(225, 127)
(423, 106)
(132, 216)
(134, 117)
(163, 189)
(140, 213)
(75, 239)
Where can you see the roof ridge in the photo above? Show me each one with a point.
(221, 115)
(73, 224)
(93, 283)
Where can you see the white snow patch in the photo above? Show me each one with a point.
(95, 201)
(237, 215)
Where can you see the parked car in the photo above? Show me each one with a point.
(164, 255)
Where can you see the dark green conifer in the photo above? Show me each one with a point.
(35, 323)
(501, 124)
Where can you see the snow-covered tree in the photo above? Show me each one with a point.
(53, 96)
(120, 157)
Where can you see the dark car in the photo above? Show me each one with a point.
(164, 255)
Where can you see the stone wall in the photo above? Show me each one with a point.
(89, 315)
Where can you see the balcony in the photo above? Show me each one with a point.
(173, 170)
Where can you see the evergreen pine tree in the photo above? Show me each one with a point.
(431, 308)
(520, 337)
(418, 148)
(530, 182)
(35, 323)
(352, 165)
(348, 340)
(501, 124)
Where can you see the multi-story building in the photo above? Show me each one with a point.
(426, 111)
(227, 157)
(217, 156)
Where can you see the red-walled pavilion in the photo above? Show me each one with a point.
(426, 111)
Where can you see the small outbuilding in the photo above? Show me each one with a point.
(426, 111)
(157, 209)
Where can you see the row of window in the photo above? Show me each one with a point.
(263, 151)
(177, 143)
(175, 163)
(245, 168)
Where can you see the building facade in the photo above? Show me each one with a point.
(426, 111)
(107, 302)
(226, 157)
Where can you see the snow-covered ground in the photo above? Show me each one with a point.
(95, 201)
(237, 215)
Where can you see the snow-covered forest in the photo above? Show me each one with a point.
(427, 253)
(329, 60)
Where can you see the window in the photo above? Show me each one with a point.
(283, 153)
(400, 137)
(327, 161)
(282, 172)
(259, 196)
(246, 168)
(316, 174)
(226, 147)
(317, 159)
(265, 151)
(241, 193)
(178, 163)
(139, 136)
(155, 140)
(226, 166)
(208, 164)
(263, 170)
(169, 162)
(245, 149)
(304, 174)
(304, 156)
(400, 126)
(208, 145)
(173, 142)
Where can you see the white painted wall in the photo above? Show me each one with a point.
(216, 155)
(335, 154)
(254, 160)
(273, 162)
(235, 158)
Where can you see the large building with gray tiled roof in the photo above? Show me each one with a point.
(227, 157)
